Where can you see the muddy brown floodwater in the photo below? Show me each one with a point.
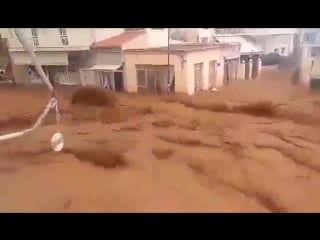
(251, 147)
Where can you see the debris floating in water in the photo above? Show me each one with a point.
(57, 142)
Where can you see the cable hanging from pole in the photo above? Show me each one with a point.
(57, 138)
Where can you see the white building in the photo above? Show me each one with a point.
(283, 41)
(106, 60)
(310, 43)
(60, 51)
(63, 51)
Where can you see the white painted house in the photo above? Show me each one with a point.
(106, 59)
(61, 51)
(280, 40)
(283, 41)
(64, 51)
(310, 43)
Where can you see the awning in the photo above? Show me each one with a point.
(104, 67)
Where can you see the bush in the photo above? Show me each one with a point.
(94, 96)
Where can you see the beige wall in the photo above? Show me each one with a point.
(72, 78)
(152, 38)
(183, 66)
(104, 58)
(89, 78)
(20, 74)
(204, 57)
(137, 43)
(130, 74)
(44, 58)
(49, 39)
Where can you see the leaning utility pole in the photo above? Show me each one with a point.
(169, 85)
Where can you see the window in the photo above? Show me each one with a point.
(63, 36)
(198, 76)
(309, 37)
(315, 51)
(35, 36)
(73, 61)
(141, 77)
(204, 40)
(276, 50)
(133, 29)
(283, 49)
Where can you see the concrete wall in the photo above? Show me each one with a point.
(72, 78)
(183, 67)
(152, 38)
(4, 32)
(192, 34)
(49, 39)
(132, 59)
(255, 31)
(44, 58)
(279, 41)
(89, 78)
(21, 74)
(104, 57)
(204, 57)
(267, 31)
(157, 38)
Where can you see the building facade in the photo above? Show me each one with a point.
(192, 68)
(64, 51)
(283, 41)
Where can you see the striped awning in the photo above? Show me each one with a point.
(104, 67)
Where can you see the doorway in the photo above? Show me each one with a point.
(118, 81)
(226, 76)
(198, 77)
(212, 74)
(111, 80)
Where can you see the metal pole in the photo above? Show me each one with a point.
(169, 60)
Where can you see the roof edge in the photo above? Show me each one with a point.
(197, 47)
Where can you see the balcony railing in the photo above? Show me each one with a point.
(311, 38)
(35, 41)
(228, 30)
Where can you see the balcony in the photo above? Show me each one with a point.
(223, 31)
(311, 38)
(54, 39)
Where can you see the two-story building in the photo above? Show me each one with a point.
(64, 51)
(310, 44)
(60, 51)
(106, 57)
(283, 41)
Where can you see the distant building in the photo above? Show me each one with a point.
(283, 41)
(310, 44)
